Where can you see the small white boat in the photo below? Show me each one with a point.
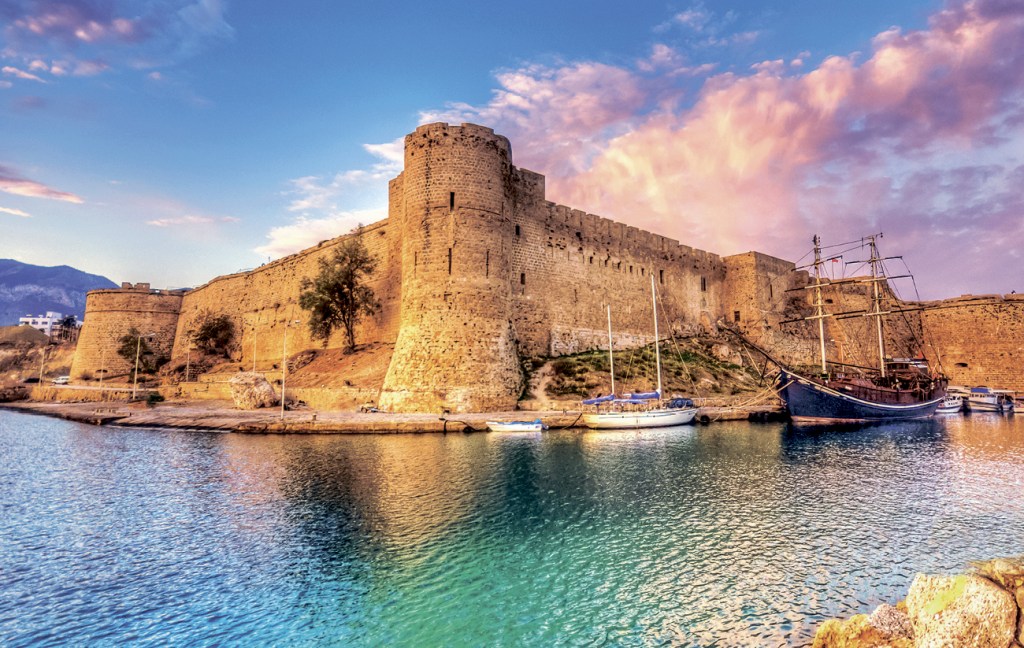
(983, 399)
(951, 404)
(516, 426)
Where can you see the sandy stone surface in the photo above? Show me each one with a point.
(222, 416)
(965, 610)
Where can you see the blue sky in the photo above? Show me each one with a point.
(170, 141)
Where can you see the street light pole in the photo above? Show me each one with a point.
(138, 348)
(284, 363)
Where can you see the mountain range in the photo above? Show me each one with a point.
(27, 289)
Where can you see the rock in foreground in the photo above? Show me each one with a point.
(981, 609)
(252, 391)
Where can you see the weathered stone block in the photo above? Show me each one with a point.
(954, 611)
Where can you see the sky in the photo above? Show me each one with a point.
(171, 141)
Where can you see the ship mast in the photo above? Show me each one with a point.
(611, 355)
(819, 306)
(657, 341)
(876, 293)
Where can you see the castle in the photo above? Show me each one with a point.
(476, 270)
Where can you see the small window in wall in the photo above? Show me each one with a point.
(415, 261)
(703, 284)
(517, 230)
(487, 264)
(522, 278)
(451, 201)
(961, 365)
(661, 276)
(735, 316)
(630, 269)
(770, 295)
(449, 260)
(591, 260)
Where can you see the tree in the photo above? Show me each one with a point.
(212, 333)
(132, 345)
(338, 296)
(67, 325)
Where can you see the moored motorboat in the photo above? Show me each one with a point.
(983, 399)
(951, 404)
(516, 426)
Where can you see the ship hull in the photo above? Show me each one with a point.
(810, 402)
(636, 420)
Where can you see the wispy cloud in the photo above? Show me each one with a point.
(13, 183)
(20, 74)
(319, 194)
(190, 220)
(89, 37)
(304, 232)
(15, 212)
(922, 137)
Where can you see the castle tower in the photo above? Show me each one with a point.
(111, 314)
(455, 347)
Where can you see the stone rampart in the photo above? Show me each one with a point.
(978, 340)
(260, 303)
(477, 269)
(111, 314)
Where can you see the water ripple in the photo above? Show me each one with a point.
(729, 535)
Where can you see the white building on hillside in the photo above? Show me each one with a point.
(45, 323)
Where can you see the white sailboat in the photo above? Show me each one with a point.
(628, 413)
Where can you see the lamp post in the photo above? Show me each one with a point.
(42, 359)
(284, 362)
(138, 349)
(254, 348)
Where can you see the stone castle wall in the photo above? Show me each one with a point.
(978, 340)
(477, 269)
(262, 302)
(111, 314)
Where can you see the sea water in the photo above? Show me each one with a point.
(723, 535)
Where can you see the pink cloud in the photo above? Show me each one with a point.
(79, 21)
(20, 74)
(923, 139)
(11, 182)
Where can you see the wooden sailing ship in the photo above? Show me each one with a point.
(898, 389)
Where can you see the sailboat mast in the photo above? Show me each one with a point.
(819, 306)
(657, 340)
(877, 299)
(611, 356)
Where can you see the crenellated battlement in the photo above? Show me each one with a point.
(477, 270)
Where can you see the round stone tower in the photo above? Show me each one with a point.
(455, 347)
(111, 314)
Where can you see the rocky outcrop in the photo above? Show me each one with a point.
(252, 391)
(968, 610)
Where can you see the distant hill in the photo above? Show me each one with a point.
(30, 289)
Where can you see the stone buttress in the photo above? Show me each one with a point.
(455, 348)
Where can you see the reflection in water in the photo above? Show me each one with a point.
(722, 535)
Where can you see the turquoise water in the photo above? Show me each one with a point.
(725, 535)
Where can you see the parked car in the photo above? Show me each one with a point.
(61, 380)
